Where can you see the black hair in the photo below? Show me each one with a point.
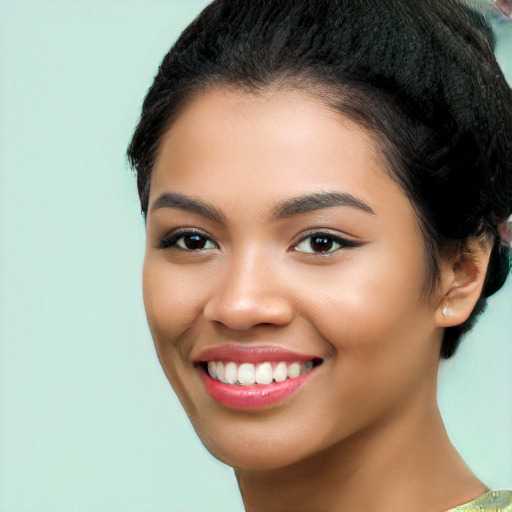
(420, 76)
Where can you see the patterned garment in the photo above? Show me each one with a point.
(494, 501)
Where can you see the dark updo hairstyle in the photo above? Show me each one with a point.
(419, 75)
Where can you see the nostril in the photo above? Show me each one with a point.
(241, 312)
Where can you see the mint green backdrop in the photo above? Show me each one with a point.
(87, 421)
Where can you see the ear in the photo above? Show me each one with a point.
(461, 281)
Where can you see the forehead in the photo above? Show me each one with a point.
(275, 144)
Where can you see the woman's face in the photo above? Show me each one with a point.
(279, 249)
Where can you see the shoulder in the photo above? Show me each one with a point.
(493, 501)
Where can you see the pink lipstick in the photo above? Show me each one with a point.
(248, 377)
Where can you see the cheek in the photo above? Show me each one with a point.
(372, 316)
(172, 300)
(368, 300)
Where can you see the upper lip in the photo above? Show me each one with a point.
(251, 354)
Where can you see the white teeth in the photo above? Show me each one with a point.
(212, 365)
(247, 374)
(264, 373)
(280, 372)
(219, 370)
(231, 374)
(293, 370)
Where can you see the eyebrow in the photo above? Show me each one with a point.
(318, 201)
(289, 208)
(174, 200)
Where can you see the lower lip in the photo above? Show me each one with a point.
(252, 397)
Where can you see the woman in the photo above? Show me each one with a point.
(326, 187)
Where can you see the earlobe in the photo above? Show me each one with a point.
(461, 283)
(446, 312)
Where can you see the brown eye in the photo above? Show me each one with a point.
(321, 243)
(324, 243)
(187, 241)
(193, 242)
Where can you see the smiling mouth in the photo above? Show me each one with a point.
(265, 373)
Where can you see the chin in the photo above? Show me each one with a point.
(255, 460)
(259, 447)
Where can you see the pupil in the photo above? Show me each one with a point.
(321, 243)
(194, 242)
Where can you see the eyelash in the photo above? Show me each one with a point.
(343, 243)
(171, 241)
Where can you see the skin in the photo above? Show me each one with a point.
(367, 420)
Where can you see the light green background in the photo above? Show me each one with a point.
(87, 420)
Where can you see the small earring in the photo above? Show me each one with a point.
(447, 312)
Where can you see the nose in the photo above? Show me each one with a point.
(249, 293)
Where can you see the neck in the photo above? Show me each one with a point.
(401, 465)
